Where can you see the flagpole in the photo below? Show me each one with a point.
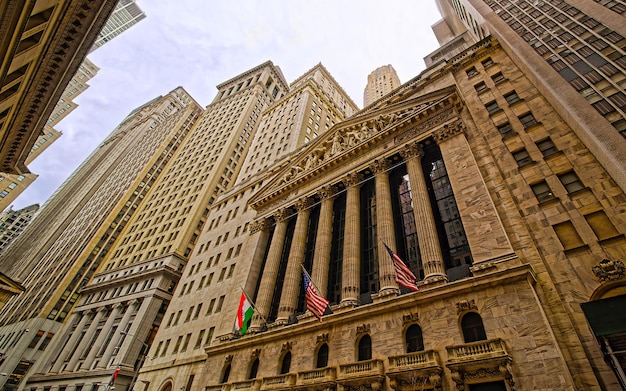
(310, 279)
(256, 310)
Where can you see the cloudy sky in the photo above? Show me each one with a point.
(198, 44)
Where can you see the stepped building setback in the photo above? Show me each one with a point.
(497, 175)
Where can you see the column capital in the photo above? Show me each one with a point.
(282, 214)
(413, 150)
(448, 130)
(259, 225)
(303, 204)
(379, 166)
(352, 179)
(326, 192)
(104, 308)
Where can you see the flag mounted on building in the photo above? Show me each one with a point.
(114, 376)
(404, 275)
(244, 314)
(315, 302)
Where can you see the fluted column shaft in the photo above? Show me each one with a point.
(270, 273)
(351, 270)
(86, 339)
(254, 249)
(139, 330)
(384, 227)
(106, 329)
(106, 356)
(71, 342)
(323, 241)
(293, 274)
(430, 249)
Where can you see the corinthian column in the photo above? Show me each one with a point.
(351, 271)
(293, 274)
(84, 316)
(430, 249)
(270, 273)
(384, 227)
(323, 242)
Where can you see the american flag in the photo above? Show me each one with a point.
(315, 303)
(404, 275)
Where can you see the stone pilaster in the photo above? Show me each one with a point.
(352, 241)
(106, 329)
(84, 317)
(323, 242)
(293, 274)
(86, 339)
(138, 333)
(270, 273)
(254, 249)
(430, 249)
(114, 342)
(484, 230)
(384, 227)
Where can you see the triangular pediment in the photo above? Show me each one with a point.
(7, 285)
(353, 135)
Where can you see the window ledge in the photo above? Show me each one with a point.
(499, 110)
(582, 247)
(532, 163)
(612, 239)
(551, 201)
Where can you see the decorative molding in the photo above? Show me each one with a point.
(282, 214)
(380, 166)
(352, 179)
(412, 150)
(608, 270)
(258, 225)
(422, 127)
(322, 338)
(363, 329)
(255, 353)
(303, 203)
(286, 347)
(228, 358)
(448, 131)
(465, 305)
(326, 192)
(410, 318)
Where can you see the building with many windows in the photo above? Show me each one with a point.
(125, 15)
(380, 82)
(13, 222)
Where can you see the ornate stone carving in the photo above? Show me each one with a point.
(362, 329)
(448, 130)
(258, 225)
(425, 126)
(228, 358)
(322, 338)
(303, 203)
(352, 179)
(286, 346)
(282, 214)
(608, 270)
(255, 353)
(380, 165)
(410, 318)
(465, 305)
(413, 150)
(326, 192)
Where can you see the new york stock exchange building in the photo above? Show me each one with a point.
(509, 223)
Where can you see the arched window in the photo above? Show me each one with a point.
(167, 386)
(322, 357)
(414, 340)
(473, 329)
(254, 368)
(365, 348)
(226, 374)
(286, 364)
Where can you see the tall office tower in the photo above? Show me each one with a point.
(122, 309)
(126, 14)
(573, 51)
(62, 248)
(512, 225)
(380, 82)
(13, 222)
(13, 185)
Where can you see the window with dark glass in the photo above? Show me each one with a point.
(542, 191)
(492, 107)
(280, 278)
(226, 374)
(254, 368)
(473, 329)
(471, 72)
(527, 120)
(404, 221)
(413, 339)
(512, 97)
(322, 357)
(506, 130)
(481, 87)
(365, 348)
(498, 78)
(336, 251)
(369, 242)
(522, 157)
(571, 182)
(309, 249)
(487, 62)
(285, 364)
(547, 147)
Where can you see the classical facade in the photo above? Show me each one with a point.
(380, 82)
(509, 221)
(64, 246)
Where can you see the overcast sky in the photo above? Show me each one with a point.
(198, 44)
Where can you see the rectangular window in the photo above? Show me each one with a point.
(571, 182)
(547, 147)
(542, 191)
(46, 341)
(36, 339)
(199, 340)
(506, 130)
(487, 62)
(522, 158)
(471, 72)
(567, 235)
(209, 336)
(167, 345)
(178, 342)
(492, 107)
(481, 87)
(218, 307)
(211, 305)
(527, 120)
(185, 343)
(498, 78)
(601, 225)
(512, 97)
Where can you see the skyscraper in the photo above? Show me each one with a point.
(380, 82)
(13, 222)
(64, 246)
(125, 15)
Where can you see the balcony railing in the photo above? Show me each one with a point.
(361, 368)
(247, 385)
(278, 382)
(218, 387)
(491, 348)
(413, 361)
(320, 375)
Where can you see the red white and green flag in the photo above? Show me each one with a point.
(244, 314)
